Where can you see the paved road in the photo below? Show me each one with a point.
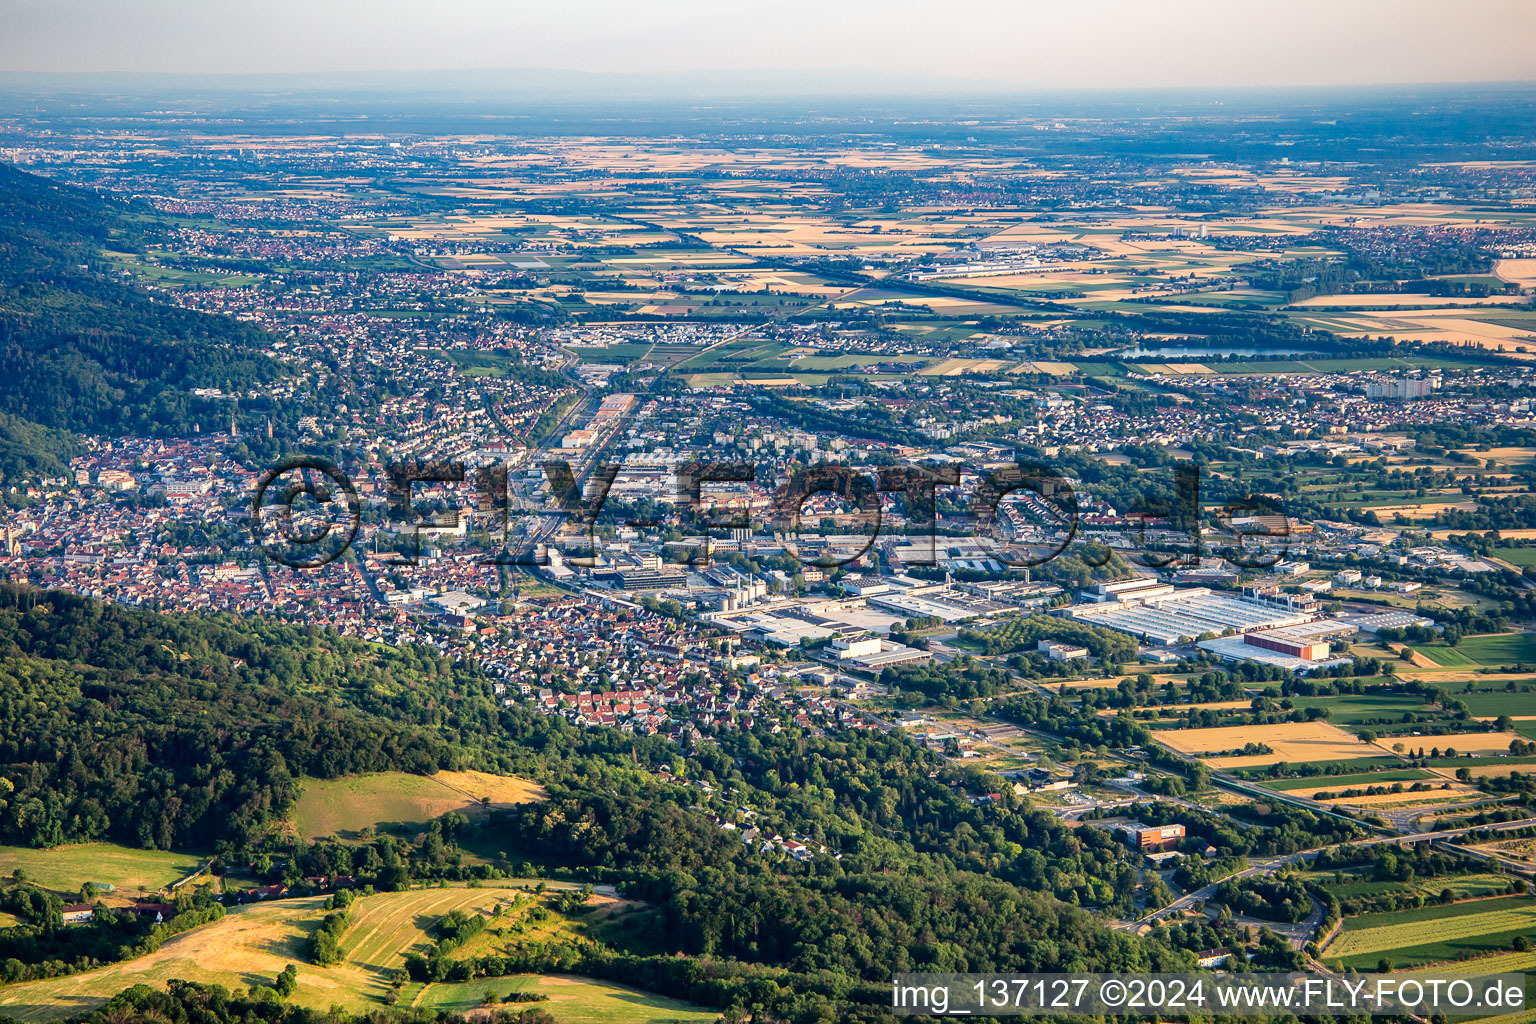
(1188, 900)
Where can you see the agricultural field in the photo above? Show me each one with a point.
(1498, 963)
(1170, 713)
(1502, 767)
(1488, 651)
(1436, 793)
(1294, 742)
(1483, 744)
(1359, 780)
(65, 868)
(624, 354)
(1410, 938)
(1468, 886)
(345, 807)
(1344, 710)
(1355, 709)
(1501, 695)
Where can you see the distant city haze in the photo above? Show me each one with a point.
(789, 46)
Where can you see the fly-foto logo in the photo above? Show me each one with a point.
(306, 513)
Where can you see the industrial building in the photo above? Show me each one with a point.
(1286, 645)
(1060, 652)
(1152, 838)
(874, 654)
(1163, 614)
(652, 579)
(1300, 648)
(1388, 620)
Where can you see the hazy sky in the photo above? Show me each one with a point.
(1022, 43)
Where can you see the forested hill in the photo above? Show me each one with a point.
(178, 731)
(83, 351)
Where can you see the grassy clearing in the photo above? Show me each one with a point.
(483, 362)
(66, 868)
(345, 807)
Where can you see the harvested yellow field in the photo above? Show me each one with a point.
(680, 257)
(1499, 771)
(1437, 320)
(1520, 271)
(1086, 684)
(1506, 534)
(1175, 710)
(1288, 741)
(948, 368)
(1462, 742)
(1504, 456)
(1431, 796)
(1399, 299)
(1423, 509)
(1210, 705)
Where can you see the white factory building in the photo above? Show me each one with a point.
(1163, 614)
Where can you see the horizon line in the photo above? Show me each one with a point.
(946, 84)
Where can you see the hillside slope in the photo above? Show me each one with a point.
(82, 351)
